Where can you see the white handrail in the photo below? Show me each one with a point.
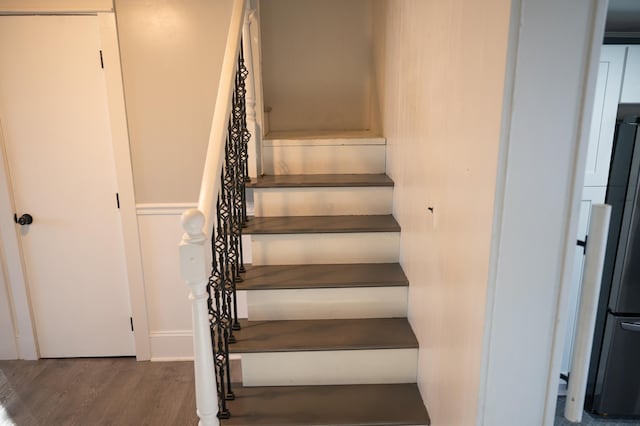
(210, 183)
(195, 253)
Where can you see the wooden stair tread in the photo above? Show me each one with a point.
(346, 405)
(275, 277)
(321, 181)
(323, 335)
(321, 224)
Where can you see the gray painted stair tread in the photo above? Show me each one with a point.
(347, 405)
(323, 335)
(321, 224)
(274, 277)
(322, 180)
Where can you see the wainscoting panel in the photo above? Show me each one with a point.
(168, 306)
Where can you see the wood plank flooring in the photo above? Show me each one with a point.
(321, 181)
(382, 405)
(96, 391)
(318, 335)
(272, 277)
(321, 224)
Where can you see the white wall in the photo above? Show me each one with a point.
(548, 103)
(166, 294)
(316, 64)
(171, 58)
(443, 82)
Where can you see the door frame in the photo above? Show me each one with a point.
(26, 339)
(531, 263)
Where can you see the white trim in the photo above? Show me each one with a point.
(337, 140)
(175, 345)
(124, 175)
(502, 359)
(154, 209)
(171, 333)
(17, 286)
(10, 348)
(598, 20)
(499, 201)
(256, 52)
(54, 7)
(170, 345)
(252, 103)
(171, 359)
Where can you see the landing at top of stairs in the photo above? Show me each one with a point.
(321, 224)
(347, 405)
(278, 277)
(321, 335)
(321, 180)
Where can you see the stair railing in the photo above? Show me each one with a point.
(212, 271)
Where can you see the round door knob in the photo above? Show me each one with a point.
(25, 219)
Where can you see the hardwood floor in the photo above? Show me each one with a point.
(96, 391)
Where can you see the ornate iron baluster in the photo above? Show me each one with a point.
(226, 240)
(242, 148)
(218, 314)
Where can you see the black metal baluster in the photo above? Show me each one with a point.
(243, 169)
(233, 251)
(244, 73)
(226, 239)
(228, 285)
(222, 247)
(240, 197)
(225, 213)
(218, 329)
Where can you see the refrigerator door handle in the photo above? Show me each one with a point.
(631, 326)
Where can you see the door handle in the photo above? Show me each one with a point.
(25, 219)
(631, 326)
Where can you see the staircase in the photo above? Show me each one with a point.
(327, 341)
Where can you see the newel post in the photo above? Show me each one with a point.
(194, 269)
(255, 168)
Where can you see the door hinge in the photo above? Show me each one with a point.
(131, 322)
(101, 60)
(118, 199)
(583, 244)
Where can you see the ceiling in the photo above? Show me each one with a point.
(623, 16)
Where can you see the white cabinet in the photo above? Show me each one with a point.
(631, 85)
(603, 121)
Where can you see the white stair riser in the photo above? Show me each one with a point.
(327, 303)
(290, 160)
(300, 249)
(322, 201)
(329, 367)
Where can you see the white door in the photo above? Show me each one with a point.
(53, 111)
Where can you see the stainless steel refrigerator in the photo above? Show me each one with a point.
(613, 386)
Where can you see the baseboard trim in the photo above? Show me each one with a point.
(175, 345)
(152, 209)
(175, 209)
